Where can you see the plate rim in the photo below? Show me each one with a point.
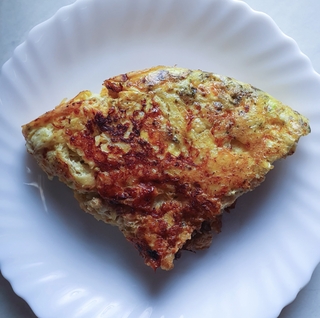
(51, 20)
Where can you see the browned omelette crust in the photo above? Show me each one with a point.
(161, 152)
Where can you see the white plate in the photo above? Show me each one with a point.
(66, 264)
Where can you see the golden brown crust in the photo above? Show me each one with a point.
(161, 152)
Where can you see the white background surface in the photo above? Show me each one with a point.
(298, 19)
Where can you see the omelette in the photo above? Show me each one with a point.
(162, 152)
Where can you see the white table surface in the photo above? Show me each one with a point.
(298, 19)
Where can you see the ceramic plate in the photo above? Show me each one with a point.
(64, 262)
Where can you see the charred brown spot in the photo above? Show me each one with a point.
(153, 254)
(113, 88)
(218, 106)
(90, 126)
(143, 103)
(124, 77)
(205, 226)
(101, 121)
(44, 152)
(105, 124)
(136, 131)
